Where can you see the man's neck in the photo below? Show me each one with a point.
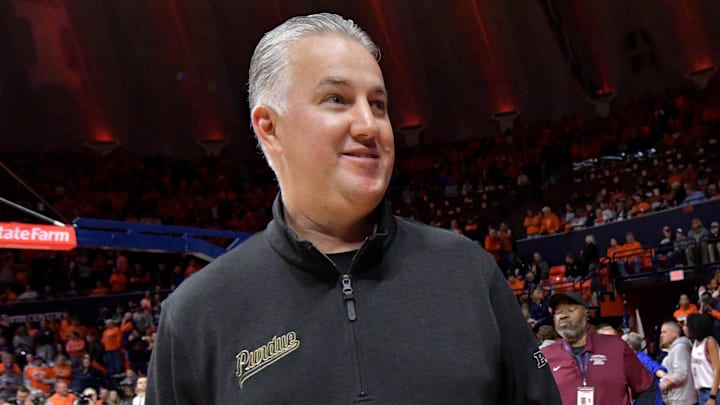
(331, 237)
(580, 342)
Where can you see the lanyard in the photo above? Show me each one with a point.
(582, 362)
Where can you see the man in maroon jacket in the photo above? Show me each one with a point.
(590, 368)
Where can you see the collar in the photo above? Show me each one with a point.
(590, 342)
(304, 255)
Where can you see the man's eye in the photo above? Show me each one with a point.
(335, 99)
(379, 105)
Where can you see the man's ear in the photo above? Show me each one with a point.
(264, 122)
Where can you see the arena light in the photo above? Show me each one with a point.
(601, 101)
(213, 146)
(102, 147)
(505, 119)
(701, 77)
(410, 135)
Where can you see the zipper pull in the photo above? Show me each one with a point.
(347, 292)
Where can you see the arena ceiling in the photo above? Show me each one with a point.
(161, 75)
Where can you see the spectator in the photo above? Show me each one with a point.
(21, 395)
(113, 398)
(140, 388)
(493, 244)
(705, 363)
(538, 309)
(682, 245)
(517, 284)
(507, 248)
(635, 340)
(550, 222)
(629, 253)
(541, 266)
(546, 335)
(112, 345)
(138, 352)
(699, 234)
(606, 329)
(62, 370)
(45, 340)
(665, 249)
(677, 385)
(10, 373)
(612, 250)
(118, 281)
(685, 308)
(590, 254)
(714, 242)
(29, 294)
(61, 396)
(38, 376)
(95, 349)
(532, 224)
(86, 375)
(573, 268)
(619, 373)
(91, 395)
(693, 196)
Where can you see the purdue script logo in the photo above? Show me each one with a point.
(250, 363)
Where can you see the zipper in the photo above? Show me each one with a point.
(347, 291)
(349, 299)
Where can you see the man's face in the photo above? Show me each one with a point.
(570, 320)
(61, 388)
(335, 148)
(684, 300)
(21, 396)
(141, 385)
(667, 336)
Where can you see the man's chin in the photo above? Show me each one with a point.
(570, 335)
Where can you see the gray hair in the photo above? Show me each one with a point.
(634, 340)
(673, 325)
(269, 69)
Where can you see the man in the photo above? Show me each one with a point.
(677, 386)
(112, 344)
(590, 367)
(61, 395)
(140, 390)
(549, 223)
(714, 242)
(38, 375)
(542, 268)
(635, 341)
(339, 301)
(22, 394)
(629, 253)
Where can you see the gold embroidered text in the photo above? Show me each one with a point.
(250, 363)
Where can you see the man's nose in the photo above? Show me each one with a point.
(364, 122)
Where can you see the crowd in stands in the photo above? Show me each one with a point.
(60, 360)
(473, 187)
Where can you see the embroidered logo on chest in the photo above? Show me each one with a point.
(250, 362)
(598, 359)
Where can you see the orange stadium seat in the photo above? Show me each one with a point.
(557, 273)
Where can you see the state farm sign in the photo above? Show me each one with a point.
(16, 235)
